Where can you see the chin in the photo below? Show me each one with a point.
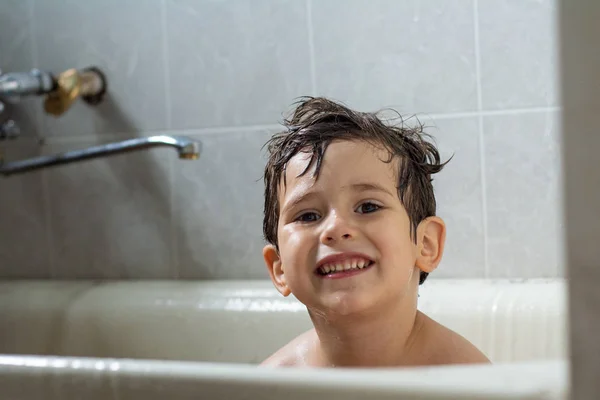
(347, 303)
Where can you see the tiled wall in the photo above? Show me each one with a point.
(481, 73)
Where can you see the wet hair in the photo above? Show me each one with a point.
(317, 121)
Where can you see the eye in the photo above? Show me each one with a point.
(308, 217)
(367, 208)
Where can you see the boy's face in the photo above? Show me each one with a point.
(350, 217)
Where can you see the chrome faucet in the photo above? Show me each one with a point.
(187, 148)
(61, 92)
(19, 84)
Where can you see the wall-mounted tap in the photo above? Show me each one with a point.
(8, 128)
(61, 91)
(187, 148)
(19, 84)
(89, 84)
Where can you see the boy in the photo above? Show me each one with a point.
(350, 220)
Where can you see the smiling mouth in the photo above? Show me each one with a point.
(344, 268)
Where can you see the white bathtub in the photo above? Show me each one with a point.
(110, 340)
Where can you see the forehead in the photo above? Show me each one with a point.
(344, 163)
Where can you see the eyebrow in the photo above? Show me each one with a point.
(296, 199)
(369, 187)
(358, 187)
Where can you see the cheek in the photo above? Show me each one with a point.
(294, 245)
(293, 238)
(394, 241)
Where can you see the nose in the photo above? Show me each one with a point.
(337, 228)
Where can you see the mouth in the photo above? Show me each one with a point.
(343, 265)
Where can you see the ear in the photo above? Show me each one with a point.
(275, 267)
(431, 236)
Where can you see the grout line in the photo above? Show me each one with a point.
(46, 203)
(48, 222)
(477, 54)
(465, 114)
(32, 31)
(311, 48)
(38, 116)
(229, 129)
(484, 202)
(173, 255)
(488, 113)
(167, 71)
(84, 138)
(184, 132)
(174, 270)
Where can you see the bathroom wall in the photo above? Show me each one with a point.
(480, 74)
(580, 88)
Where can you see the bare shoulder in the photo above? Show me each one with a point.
(295, 353)
(444, 346)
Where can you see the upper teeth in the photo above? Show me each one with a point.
(345, 265)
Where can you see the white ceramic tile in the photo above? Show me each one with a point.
(23, 239)
(15, 26)
(236, 63)
(458, 194)
(417, 56)
(518, 47)
(121, 37)
(219, 209)
(111, 216)
(522, 166)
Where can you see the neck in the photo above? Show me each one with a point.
(379, 338)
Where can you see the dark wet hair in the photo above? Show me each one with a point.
(316, 122)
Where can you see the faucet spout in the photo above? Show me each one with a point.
(187, 149)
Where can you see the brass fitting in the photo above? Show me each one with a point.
(89, 84)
